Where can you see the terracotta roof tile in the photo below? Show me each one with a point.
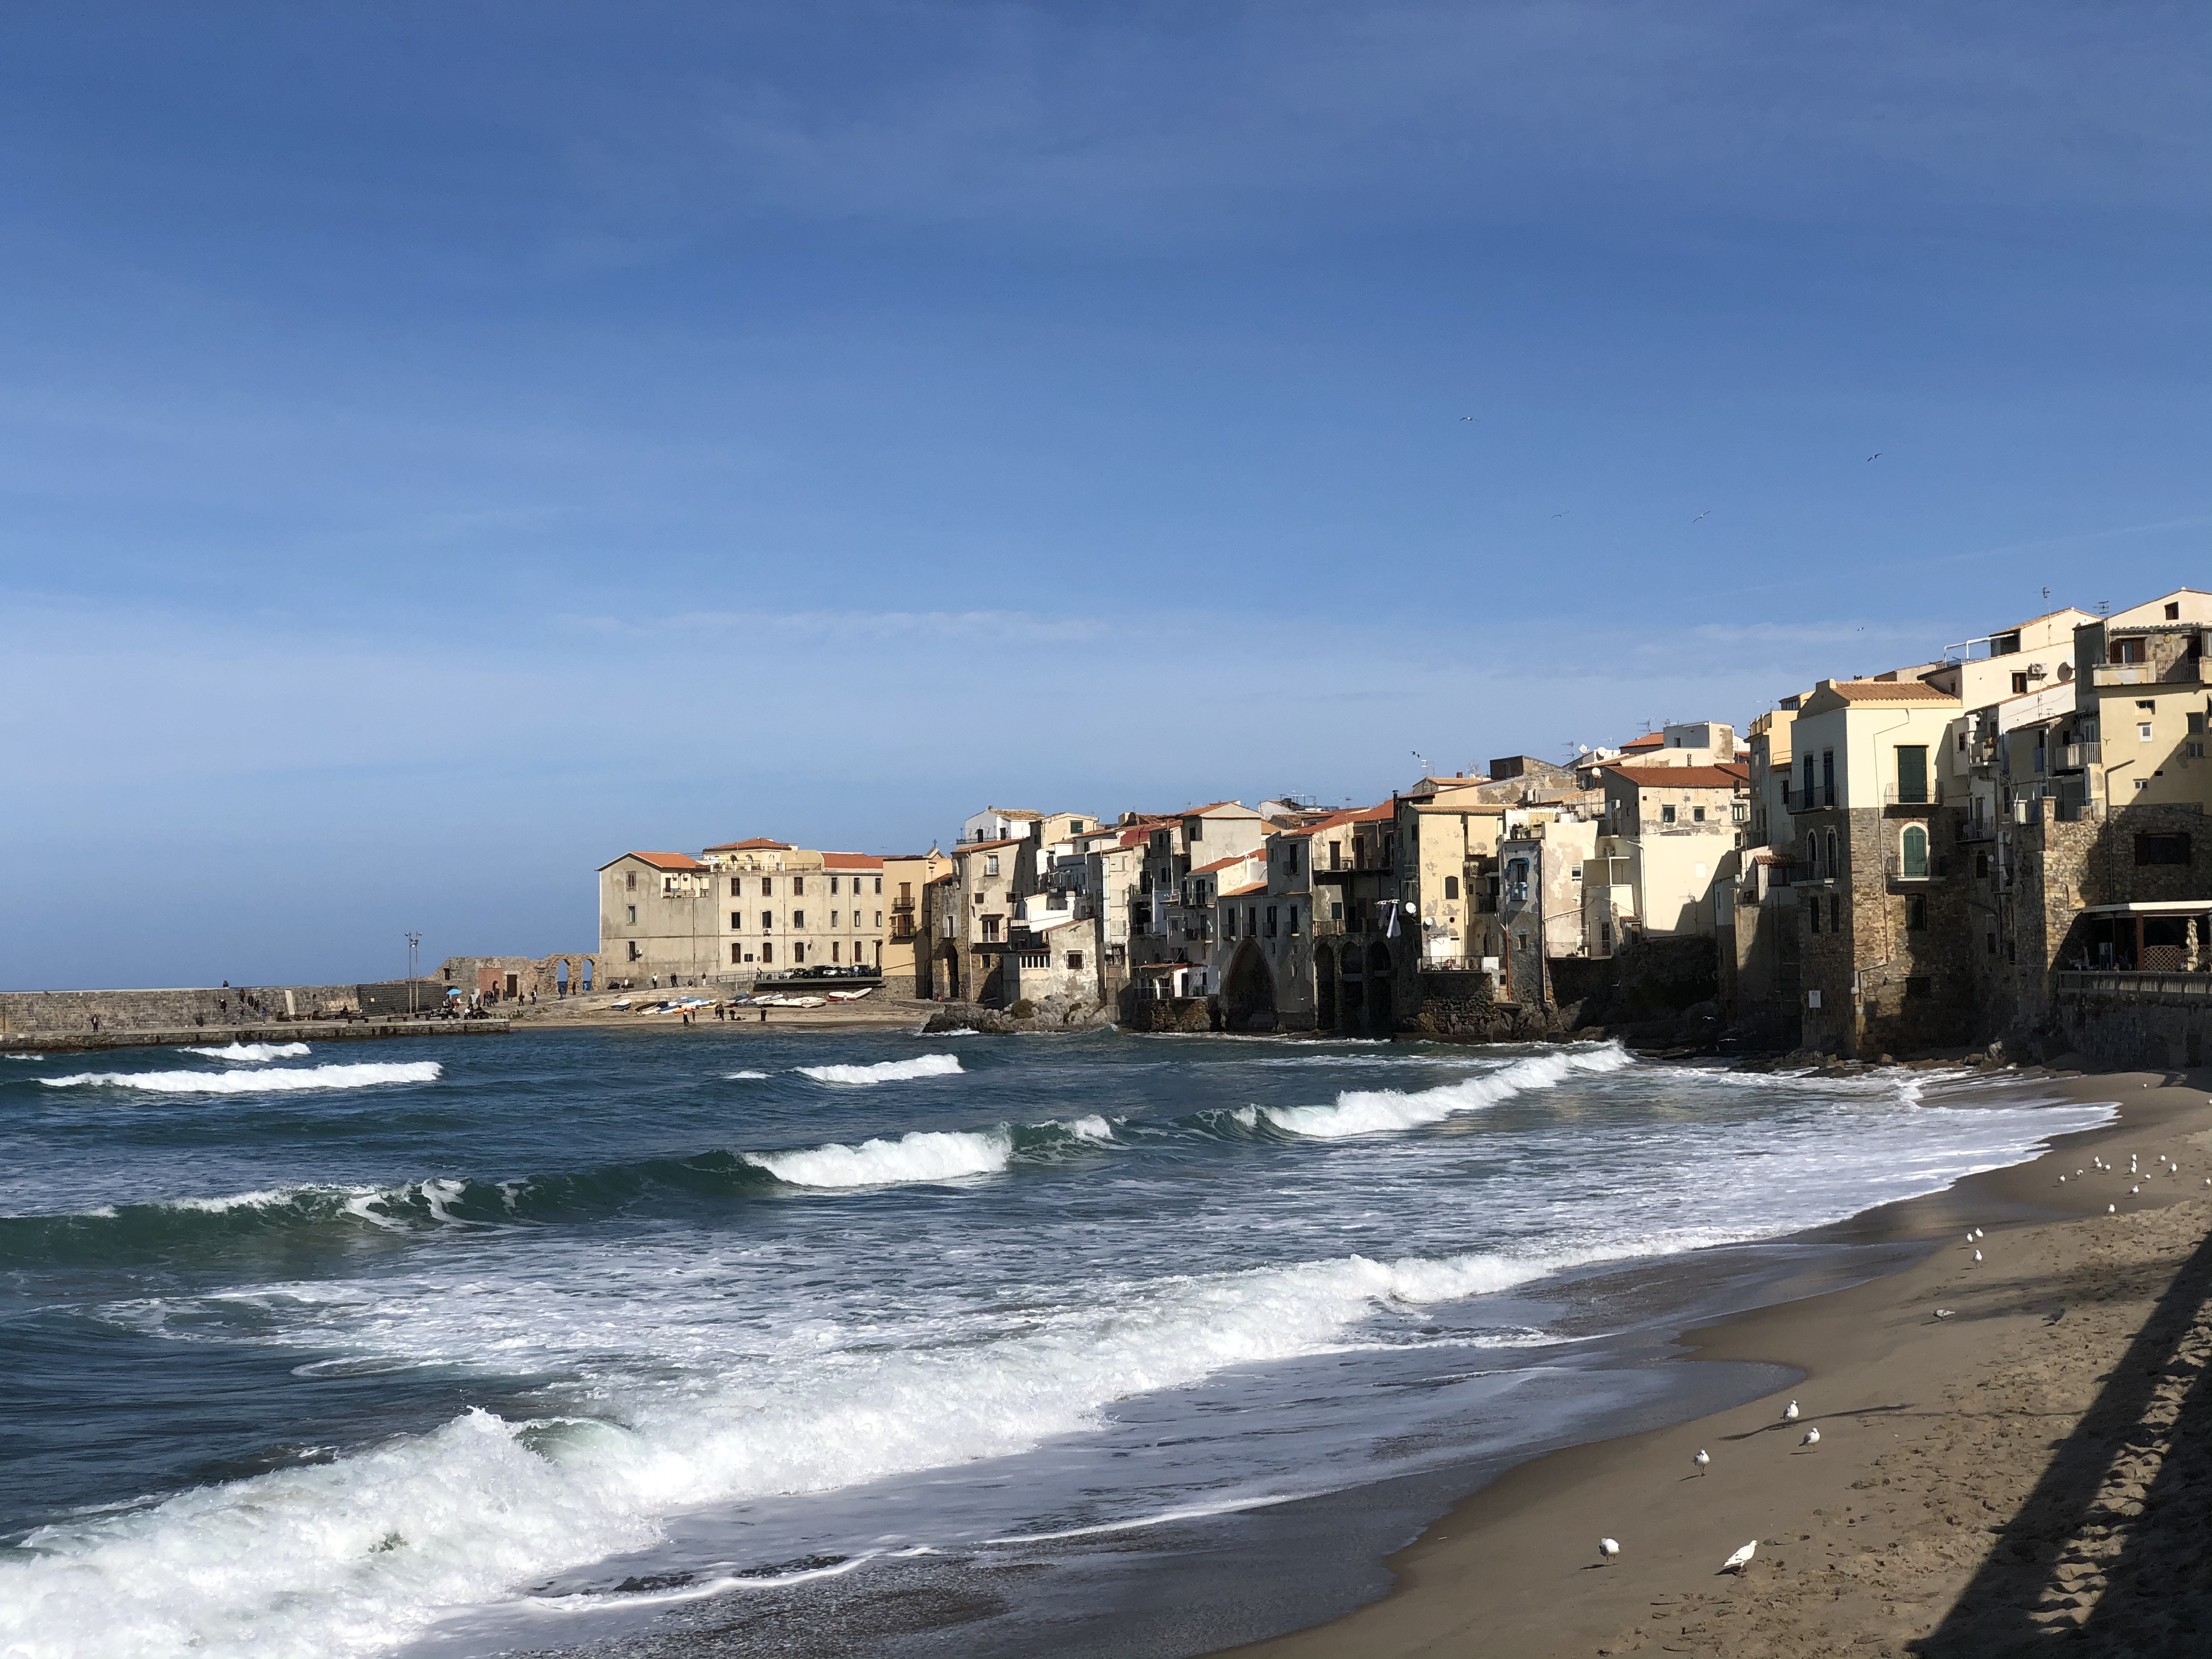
(1681, 777)
(758, 843)
(851, 862)
(663, 860)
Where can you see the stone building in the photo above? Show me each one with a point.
(980, 915)
(906, 877)
(1882, 959)
(741, 911)
(521, 979)
(1170, 932)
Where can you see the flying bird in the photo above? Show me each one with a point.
(1790, 1412)
(1876, 456)
(1811, 1437)
(1607, 1549)
(1562, 515)
(1707, 513)
(1742, 1558)
(1702, 1459)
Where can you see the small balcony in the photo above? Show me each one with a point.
(1930, 796)
(2073, 757)
(1933, 872)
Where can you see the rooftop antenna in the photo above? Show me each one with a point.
(2104, 606)
(1424, 765)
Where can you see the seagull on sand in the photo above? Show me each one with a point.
(1790, 1412)
(1702, 1459)
(1607, 1549)
(1811, 1437)
(1945, 1313)
(1742, 1558)
(2112, 1209)
(1977, 1256)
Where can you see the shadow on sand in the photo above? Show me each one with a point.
(2111, 1554)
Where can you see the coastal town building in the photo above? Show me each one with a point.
(906, 875)
(740, 912)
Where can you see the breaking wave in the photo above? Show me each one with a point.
(925, 1155)
(373, 1545)
(255, 1051)
(360, 1076)
(1370, 1111)
(887, 1070)
(745, 1077)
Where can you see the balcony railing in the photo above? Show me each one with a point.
(1453, 965)
(2073, 756)
(2184, 670)
(1892, 795)
(1936, 869)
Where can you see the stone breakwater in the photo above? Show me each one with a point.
(297, 1031)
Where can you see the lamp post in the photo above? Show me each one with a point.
(414, 945)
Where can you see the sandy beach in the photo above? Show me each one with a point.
(2033, 1464)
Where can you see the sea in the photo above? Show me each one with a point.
(733, 1342)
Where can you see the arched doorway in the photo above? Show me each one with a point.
(1324, 988)
(1379, 1012)
(1248, 994)
(561, 977)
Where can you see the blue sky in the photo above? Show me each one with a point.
(442, 446)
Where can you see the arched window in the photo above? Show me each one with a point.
(1912, 849)
(1835, 864)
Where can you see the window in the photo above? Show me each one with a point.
(1982, 866)
(798, 886)
(1335, 905)
(768, 887)
(1291, 858)
(2141, 784)
(768, 921)
(990, 864)
(2019, 689)
(1194, 830)
(1665, 815)
(1912, 774)
(768, 951)
(737, 886)
(799, 918)
(1916, 913)
(2174, 613)
(1271, 921)
(1813, 915)
(990, 930)
(2127, 651)
(629, 915)
(1451, 887)
(833, 949)
(1075, 962)
(879, 918)
(2196, 750)
(2197, 725)
(833, 890)
(798, 953)
(629, 880)
(1827, 777)
(2162, 848)
(1835, 913)
(1835, 864)
(1913, 853)
(1918, 987)
(634, 951)
(2143, 731)
(736, 954)
(1809, 801)
(1336, 855)
(1992, 940)
(736, 919)
(879, 886)
(833, 918)
(1697, 815)
(1294, 921)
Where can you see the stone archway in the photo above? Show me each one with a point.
(1247, 993)
(1379, 1011)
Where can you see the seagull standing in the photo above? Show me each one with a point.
(1736, 1563)
(1607, 1549)
(2114, 1209)
(1811, 1437)
(1790, 1412)
(1977, 1256)
(1702, 1459)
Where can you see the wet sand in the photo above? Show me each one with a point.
(2037, 1464)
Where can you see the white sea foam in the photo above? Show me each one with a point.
(256, 1082)
(255, 1051)
(22, 1056)
(352, 1557)
(1369, 1111)
(886, 1071)
(267, 1195)
(1093, 1128)
(744, 1077)
(924, 1155)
